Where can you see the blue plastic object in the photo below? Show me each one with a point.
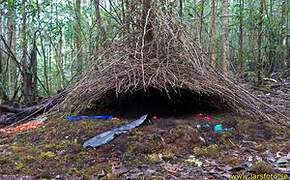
(218, 128)
(108, 136)
(77, 118)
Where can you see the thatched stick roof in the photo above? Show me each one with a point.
(169, 61)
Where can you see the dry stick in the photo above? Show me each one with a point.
(263, 103)
(254, 98)
(39, 109)
(143, 44)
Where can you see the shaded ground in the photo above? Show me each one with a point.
(161, 150)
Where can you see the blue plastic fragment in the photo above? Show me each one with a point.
(108, 136)
(77, 118)
(218, 128)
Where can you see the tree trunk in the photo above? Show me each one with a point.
(213, 34)
(127, 5)
(33, 69)
(59, 60)
(200, 21)
(252, 38)
(78, 36)
(180, 8)
(123, 12)
(26, 74)
(272, 62)
(259, 41)
(134, 20)
(241, 37)
(50, 50)
(98, 15)
(101, 35)
(287, 36)
(12, 66)
(29, 70)
(146, 20)
(225, 36)
(1, 32)
(43, 49)
(285, 42)
(45, 66)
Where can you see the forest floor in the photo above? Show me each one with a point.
(172, 148)
(169, 148)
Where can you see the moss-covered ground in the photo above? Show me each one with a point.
(55, 150)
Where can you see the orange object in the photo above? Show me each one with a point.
(22, 127)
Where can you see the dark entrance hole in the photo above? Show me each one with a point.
(155, 102)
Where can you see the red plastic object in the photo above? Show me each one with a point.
(208, 118)
(199, 116)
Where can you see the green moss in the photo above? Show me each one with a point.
(261, 167)
(192, 160)
(65, 144)
(33, 150)
(4, 160)
(156, 142)
(131, 147)
(109, 171)
(288, 133)
(167, 154)
(72, 171)
(88, 172)
(16, 149)
(28, 159)
(51, 146)
(231, 160)
(153, 158)
(212, 151)
(135, 135)
(47, 155)
(158, 177)
(42, 156)
(19, 165)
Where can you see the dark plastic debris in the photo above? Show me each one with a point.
(108, 136)
(77, 118)
(204, 127)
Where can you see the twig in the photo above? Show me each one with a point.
(143, 44)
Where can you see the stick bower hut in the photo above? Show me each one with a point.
(169, 62)
(157, 58)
